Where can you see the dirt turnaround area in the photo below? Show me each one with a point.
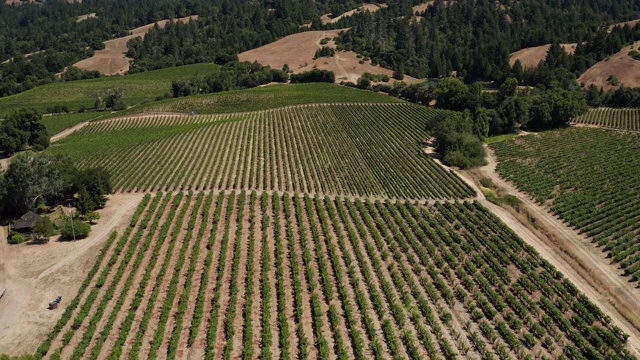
(112, 59)
(571, 253)
(34, 275)
(298, 50)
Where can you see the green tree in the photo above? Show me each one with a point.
(92, 216)
(44, 228)
(97, 184)
(77, 228)
(29, 180)
(85, 203)
(451, 94)
(21, 129)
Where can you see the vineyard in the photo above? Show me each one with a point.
(628, 119)
(337, 149)
(589, 177)
(266, 97)
(249, 274)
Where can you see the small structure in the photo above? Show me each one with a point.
(54, 304)
(26, 222)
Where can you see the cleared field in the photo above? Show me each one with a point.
(349, 149)
(136, 89)
(58, 122)
(589, 177)
(627, 119)
(238, 275)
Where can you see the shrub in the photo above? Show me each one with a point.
(325, 51)
(315, 75)
(634, 54)
(486, 182)
(16, 238)
(613, 81)
(81, 230)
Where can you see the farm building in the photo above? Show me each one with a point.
(26, 222)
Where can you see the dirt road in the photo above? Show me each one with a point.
(35, 274)
(573, 255)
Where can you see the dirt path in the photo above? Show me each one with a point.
(35, 274)
(571, 253)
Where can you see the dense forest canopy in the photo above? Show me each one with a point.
(471, 37)
(475, 37)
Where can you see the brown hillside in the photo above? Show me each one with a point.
(326, 18)
(112, 59)
(620, 65)
(531, 57)
(298, 50)
(631, 23)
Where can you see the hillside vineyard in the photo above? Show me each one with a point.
(239, 274)
(350, 149)
(589, 177)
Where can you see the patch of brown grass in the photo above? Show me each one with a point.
(531, 57)
(112, 59)
(620, 65)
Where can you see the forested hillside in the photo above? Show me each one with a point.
(475, 38)
(471, 38)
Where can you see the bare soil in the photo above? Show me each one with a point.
(85, 17)
(327, 19)
(112, 59)
(298, 50)
(631, 23)
(531, 57)
(620, 65)
(35, 274)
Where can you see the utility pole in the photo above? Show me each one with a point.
(73, 229)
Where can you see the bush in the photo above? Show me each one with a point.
(120, 105)
(613, 81)
(56, 109)
(81, 230)
(16, 238)
(398, 75)
(486, 182)
(315, 75)
(325, 51)
(634, 54)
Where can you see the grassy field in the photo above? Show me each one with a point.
(348, 149)
(58, 122)
(245, 275)
(499, 138)
(589, 177)
(137, 89)
(266, 97)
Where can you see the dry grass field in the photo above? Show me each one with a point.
(298, 50)
(531, 57)
(112, 59)
(620, 65)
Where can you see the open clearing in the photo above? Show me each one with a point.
(112, 59)
(620, 65)
(631, 23)
(298, 50)
(31, 270)
(531, 57)
(327, 19)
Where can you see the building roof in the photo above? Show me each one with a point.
(27, 220)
